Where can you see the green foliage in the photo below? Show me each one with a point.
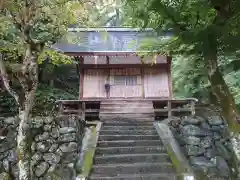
(7, 104)
(46, 97)
(233, 80)
(55, 57)
(203, 32)
(190, 78)
(26, 27)
(191, 23)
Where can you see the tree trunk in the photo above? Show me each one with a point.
(28, 78)
(24, 137)
(23, 145)
(221, 91)
(29, 83)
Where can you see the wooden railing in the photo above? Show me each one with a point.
(174, 107)
(162, 107)
(85, 109)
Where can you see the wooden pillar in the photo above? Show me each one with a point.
(81, 78)
(108, 76)
(142, 82)
(193, 107)
(169, 62)
(60, 108)
(82, 110)
(169, 106)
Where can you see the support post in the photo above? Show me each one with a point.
(169, 62)
(142, 82)
(169, 104)
(60, 108)
(83, 110)
(108, 77)
(81, 78)
(193, 107)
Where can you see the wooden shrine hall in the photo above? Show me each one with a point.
(117, 78)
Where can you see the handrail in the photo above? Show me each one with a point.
(180, 162)
(87, 153)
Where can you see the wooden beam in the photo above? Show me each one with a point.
(169, 108)
(169, 62)
(81, 83)
(108, 78)
(142, 82)
(112, 66)
(101, 53)
(83, 109)
(193, 103)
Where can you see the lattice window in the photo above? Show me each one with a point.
(131, 80)
(126, 80)
(119, 80)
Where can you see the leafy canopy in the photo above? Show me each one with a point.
(190, 22)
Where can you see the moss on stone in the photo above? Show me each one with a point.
(174, 160)
(88, 162)
(89, 154)
(235, 128)
(177, 164)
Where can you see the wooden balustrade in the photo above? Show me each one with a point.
(84, 109)
(163, 108)
(174, 107)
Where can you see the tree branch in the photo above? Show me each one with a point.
(171, 16)
(5, 79)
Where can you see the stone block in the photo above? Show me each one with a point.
(41, 169)
(201, 161)
(192, 150)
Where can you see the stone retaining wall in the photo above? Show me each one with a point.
(56, 143)
(206, 143)
(8, 157)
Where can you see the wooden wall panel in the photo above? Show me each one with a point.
(133, 91)
(95, 60)
(156, 83)
(154, 59)
(117, 92)
(124, 60)
(121, 91)
(94, 81)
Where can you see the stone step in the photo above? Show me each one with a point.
(134, 105)
(127, 113)
(149, 103)
(124, 128)
(126, 105)
(136, 116)
(130, 158)
(130, 143)
(159, 176)
(130, 150)
(140, 122)
(128, 132)
(127, 137)
(127, 110)
(133, 168)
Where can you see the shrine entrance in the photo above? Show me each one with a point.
(126, 83)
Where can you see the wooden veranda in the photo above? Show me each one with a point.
(162, 108)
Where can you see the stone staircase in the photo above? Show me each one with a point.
(130, 150)
(126, 108)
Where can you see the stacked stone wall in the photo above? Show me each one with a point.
(55, 146)
(206, 142)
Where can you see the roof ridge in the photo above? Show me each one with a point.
(120, 29)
